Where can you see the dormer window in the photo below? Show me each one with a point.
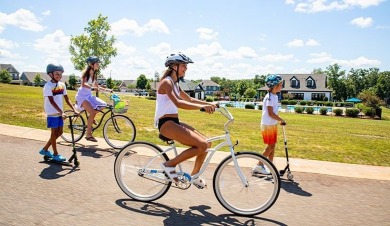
(294, 82)
(309, 82)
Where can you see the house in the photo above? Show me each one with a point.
(210, 88)
(28, 78)
(126, 85)
(303, 87)
(13, 73)
(193, 89)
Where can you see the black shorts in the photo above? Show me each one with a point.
(161, 121)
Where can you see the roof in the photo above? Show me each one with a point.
(31, 75)
(209, 83)
(9, 68)
(188, 85)
(319, 80)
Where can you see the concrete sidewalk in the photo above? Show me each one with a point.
(298, 165)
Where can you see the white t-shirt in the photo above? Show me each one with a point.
(269, 100)
(57, 91)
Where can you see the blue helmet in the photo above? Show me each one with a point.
(272, 80)
(92, 60)
(177, 58)
(54, 67)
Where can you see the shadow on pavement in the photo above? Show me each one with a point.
(91, 150)
(56, 170)
(197, 215)
(293, 187)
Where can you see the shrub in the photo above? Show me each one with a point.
(323, 111)
(368, 111)
(298, 109)
(303, 103)
(292, 102)
(260, 107)
(325, 99)
(329, 104)
(229, 105)
(151, 98)
(309, 110)
(338, 111)
(216, 98)
(249, 106)
(352, 112)
(209, 99)
(284, 102)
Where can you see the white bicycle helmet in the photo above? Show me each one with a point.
(177, 58)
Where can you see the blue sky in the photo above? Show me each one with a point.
(225, 38)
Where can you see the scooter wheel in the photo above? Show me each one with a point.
(77, 163)
(46, 158)
(290, 176)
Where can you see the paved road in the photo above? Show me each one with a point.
(36, 193)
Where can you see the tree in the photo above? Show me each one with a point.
(37, 79)
(216, 80)
(336, 82)
(5, 77)
(383, 85)
(142, 81)
(72, 82)
(110, 83)
(94, 43)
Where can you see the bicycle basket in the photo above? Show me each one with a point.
(121, 107)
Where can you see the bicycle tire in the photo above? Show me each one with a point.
(119, 131)
(260, 193)
(79, 127)
(141, 185)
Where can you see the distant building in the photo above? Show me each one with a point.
(193, 89)
(13, 73)
(303, 87)
(210, 88)
(124, 86)
(28, 78)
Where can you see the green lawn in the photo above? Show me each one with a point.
(317, 137)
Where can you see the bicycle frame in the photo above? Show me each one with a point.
(226, 142)
(102, 118)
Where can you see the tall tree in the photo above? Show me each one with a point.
(142, 81)
(5, 77)
(336, 81)
(94, 42)
(37, 79)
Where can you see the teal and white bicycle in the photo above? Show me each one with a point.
(138, 173)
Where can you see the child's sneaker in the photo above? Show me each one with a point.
(46, 153)
(59, 158)
(260, 169)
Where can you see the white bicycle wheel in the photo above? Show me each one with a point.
(138, 172)
(260, 191)
(119, 131)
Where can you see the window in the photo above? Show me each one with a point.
(298, 96)
(317, 96)
(309, 83)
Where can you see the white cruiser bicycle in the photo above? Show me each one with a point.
(138, 173)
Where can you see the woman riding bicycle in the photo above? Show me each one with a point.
(84, 97)
(170, 97)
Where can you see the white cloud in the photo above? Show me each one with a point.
(289, 2)
(124, 26)
(207, 33)
(56, 45)
(315, 6)
(301, 43)
(277, 57)
(354, 63)
(312, 42)
(246, 52)
(362, 22)
(46, 13)
(296, 43)
(163, 49)
(23, 19)
(8, 44)
(123, 49)
(206, 50)
(5, 54)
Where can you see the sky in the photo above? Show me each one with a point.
(232, 39)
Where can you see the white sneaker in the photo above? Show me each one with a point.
(260, 169)
(199, 183)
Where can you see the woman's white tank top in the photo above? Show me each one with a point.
(164, 105)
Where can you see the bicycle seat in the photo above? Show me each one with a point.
(165, 139)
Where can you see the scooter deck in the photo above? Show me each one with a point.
(65, 163)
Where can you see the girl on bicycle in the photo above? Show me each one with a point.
(84, 98)
(170, 97)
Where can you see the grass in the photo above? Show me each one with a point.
(316, 137)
